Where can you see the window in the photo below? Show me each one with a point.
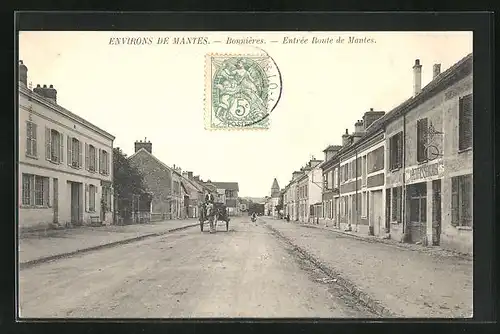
(103, 162)
(461, 200)
(53, 145)
(465, 122)
(74, 152)
(31, 139)
(396, 204)
(396, 151)
(364, 206)
(330, 179)
(92, 193)
(35, 191)
(375, 160)
(91, 158)
(422, 127)
(358, 167)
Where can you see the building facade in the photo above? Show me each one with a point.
(330, 195)
(65, 163)
(228, 194)
(429, 161)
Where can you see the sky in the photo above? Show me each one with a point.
(157, 92)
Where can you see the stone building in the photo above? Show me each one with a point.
(429, 160)
(330, 195)
(171, 196)
(65, 163)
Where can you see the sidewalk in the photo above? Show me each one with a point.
(408, 283)
(34, 246)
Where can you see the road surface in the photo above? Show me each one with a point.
(245, 272)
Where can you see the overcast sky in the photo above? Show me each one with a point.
(157, 91)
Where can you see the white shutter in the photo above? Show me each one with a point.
(80, 152)
(96, 160)
(100, 161)
(28, 138)
(33, 140)
(61, 148)
(87, 156)
(70, 151)
(47, 143)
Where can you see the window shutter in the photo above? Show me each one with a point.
(86, 197)
(61, 146)
(87, 156)
(70, 152)
(100, 161)
(28, 138)
(33, 140)
(400, 150)
(96, 159)
(47, 143)
(80, 152)
(46, 191)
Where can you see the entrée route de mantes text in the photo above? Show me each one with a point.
(241, 41)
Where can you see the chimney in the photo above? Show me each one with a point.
(197, 178)
(346, 138)
(417, 77)
(331, 150)
(147, 145)
(371, 116)
(358, 127)
(314, 163)
(185, 174)
(23, 73)
(50, 93)
(436, 70)
(190, 175)
(296, 174)
(38, 90)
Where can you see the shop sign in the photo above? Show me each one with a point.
(424, 172)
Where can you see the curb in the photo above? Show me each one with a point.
(35, 262)
(394, 244)
(374, 305)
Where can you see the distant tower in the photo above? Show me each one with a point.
(275, 189)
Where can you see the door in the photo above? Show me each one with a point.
(55, 205)
(417, 195)
(75, 202)
(376, 212)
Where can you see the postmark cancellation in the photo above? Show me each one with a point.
(241, 91)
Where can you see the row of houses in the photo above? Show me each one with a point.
(65, 169)
(405, 174)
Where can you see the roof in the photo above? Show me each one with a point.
(275, 185)
(56, 107)
(227, 185)
(459, 70)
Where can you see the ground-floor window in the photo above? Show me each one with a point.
(417, 194)
(396, 204)
(35, 190)
(461, 200)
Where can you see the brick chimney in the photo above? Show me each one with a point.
(436, 70)
(190, 175)
(346, 138)
(197, 178)
(417, 77)
(296, 174)
(23, 73)
(313, 163)
(371, 116)
(147, 145)
(359, 127)
(48, 93)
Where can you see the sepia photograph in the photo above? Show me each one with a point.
(245, 174)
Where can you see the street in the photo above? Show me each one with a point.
(245, 272)
(253, 270)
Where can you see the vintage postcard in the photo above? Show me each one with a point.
(211, 174)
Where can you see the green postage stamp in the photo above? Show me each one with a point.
(241, 91)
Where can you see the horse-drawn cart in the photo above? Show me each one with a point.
(214, 213)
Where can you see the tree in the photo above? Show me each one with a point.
(126, 178)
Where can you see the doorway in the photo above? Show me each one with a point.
(75, 202)
(376, 212)
(55, 205)
(436, 212)
(417, 200)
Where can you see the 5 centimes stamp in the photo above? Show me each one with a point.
(241, 91)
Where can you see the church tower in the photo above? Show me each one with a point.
(275, 189)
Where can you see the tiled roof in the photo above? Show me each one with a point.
(227, 185)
